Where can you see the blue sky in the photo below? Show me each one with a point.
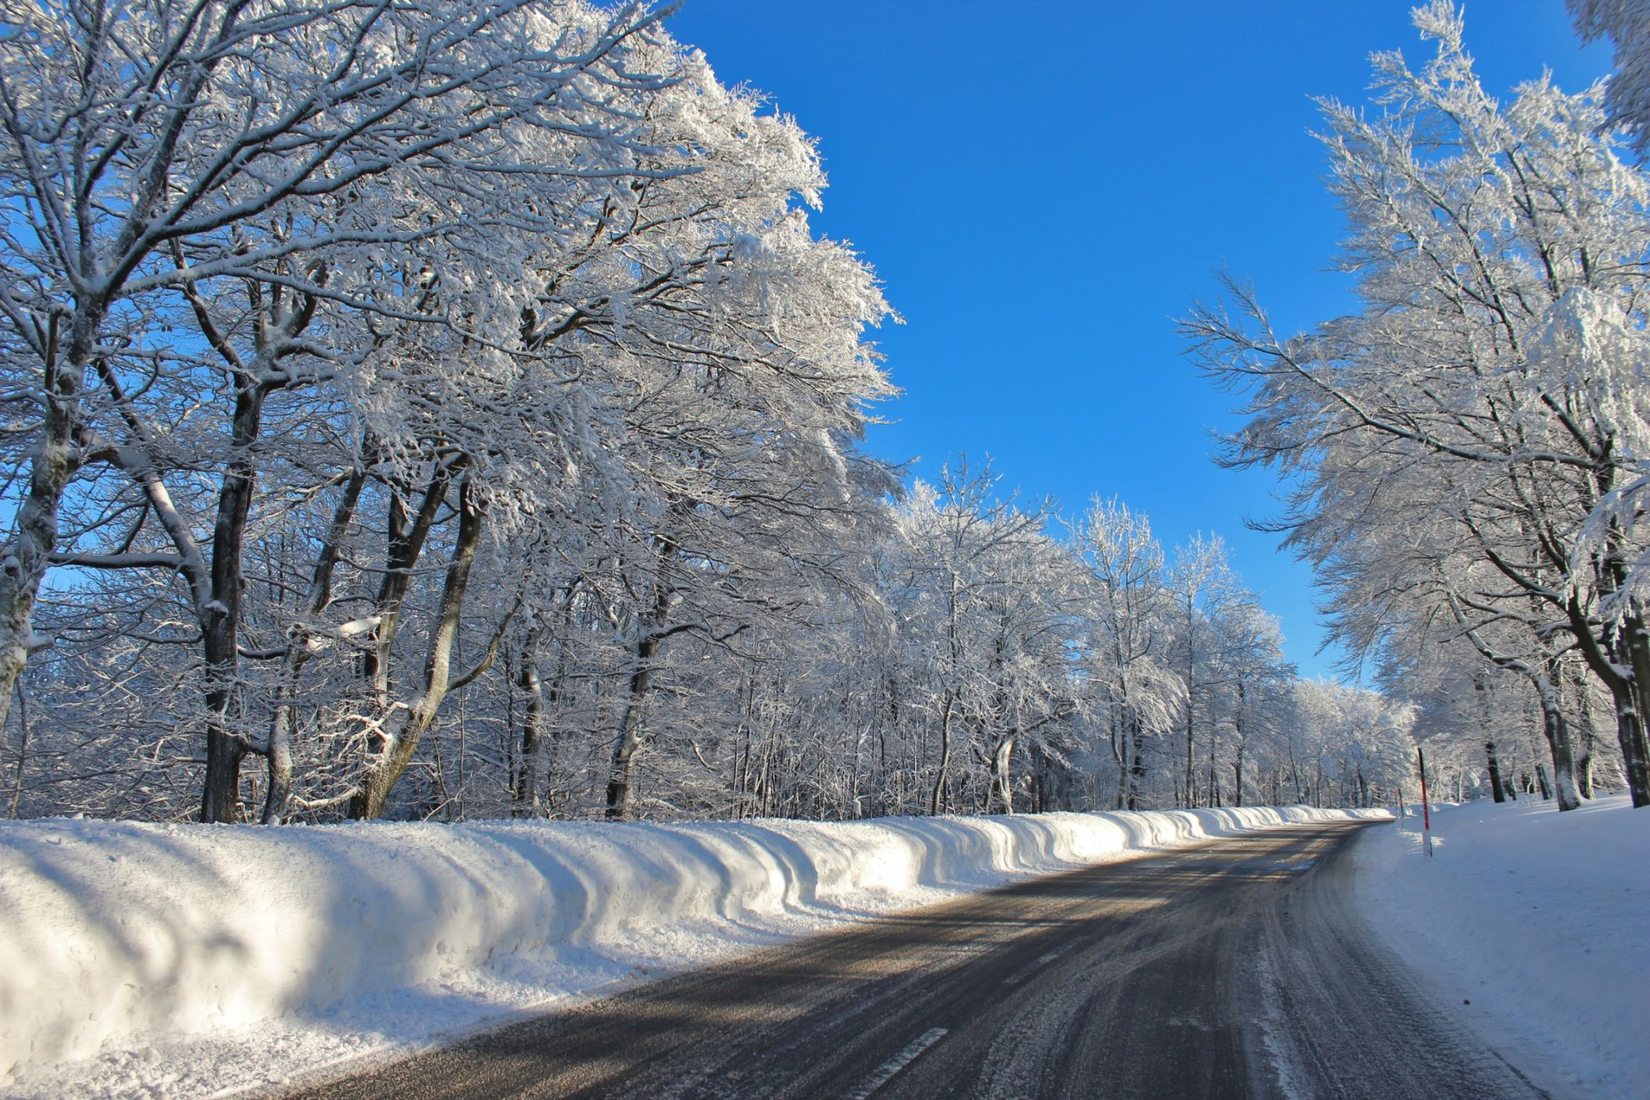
(1045, 187)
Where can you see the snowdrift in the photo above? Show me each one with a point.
(113, 935)
(1532, 925)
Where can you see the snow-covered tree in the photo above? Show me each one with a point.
(1203, 589)
(1626, 23)
(1251, 679)
(977, 633)
(307, 153)
(1491, 383)
(1135, 692)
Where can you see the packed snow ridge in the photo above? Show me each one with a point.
(118, 939)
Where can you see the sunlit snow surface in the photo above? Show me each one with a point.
(155, 960)
(1541, 920)
(185, 961)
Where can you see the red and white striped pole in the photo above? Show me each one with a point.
(1426, 812)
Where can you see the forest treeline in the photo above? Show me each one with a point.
(445, 410)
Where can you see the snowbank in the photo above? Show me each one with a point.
(119, 942)
(1540, 920)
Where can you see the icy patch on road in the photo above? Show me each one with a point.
(187, 960)
(1541, 920)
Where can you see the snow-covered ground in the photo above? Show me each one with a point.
(1540, 920)
(155, 960)
(146, 960)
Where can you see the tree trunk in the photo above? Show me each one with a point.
(1187, 797)
(1212, 795)
(1120, 753)
(1635, 752)
(22, 749)
(651, 631)
(397, 746)
(632, 730)
(407, 536)
(1137, 772)
(938, 801)
(221, 618)
(1623, 664)
(53, 462)
(1579, 704)
(524, 790)
(1002, 781)
(1480, 690)
(1495, 772)
(284, 720)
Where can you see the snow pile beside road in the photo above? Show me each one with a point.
(146, 958)
(1541, 920)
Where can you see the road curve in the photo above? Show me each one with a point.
(1237, 968)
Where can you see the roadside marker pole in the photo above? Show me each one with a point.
(1426, 811)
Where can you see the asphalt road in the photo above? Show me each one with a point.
(1239, 968)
